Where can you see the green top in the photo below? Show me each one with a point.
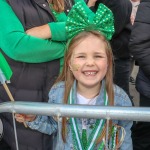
(25, 48)
(59, 27)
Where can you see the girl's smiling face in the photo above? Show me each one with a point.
(89, 62)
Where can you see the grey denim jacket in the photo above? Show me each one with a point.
(47, 124)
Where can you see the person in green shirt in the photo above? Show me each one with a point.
(35, 62)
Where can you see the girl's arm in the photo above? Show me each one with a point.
(127, 142)
(44, 124)
(22, 47)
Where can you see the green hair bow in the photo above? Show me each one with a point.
(81, 18)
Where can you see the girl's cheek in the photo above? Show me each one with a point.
(75, 67)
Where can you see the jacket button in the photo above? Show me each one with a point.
(44, 5)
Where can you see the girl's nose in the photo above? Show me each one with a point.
(90, 61)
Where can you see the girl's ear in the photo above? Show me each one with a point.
(69, 65)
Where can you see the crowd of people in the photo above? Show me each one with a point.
(75, 52)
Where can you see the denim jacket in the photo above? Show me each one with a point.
(47, 124)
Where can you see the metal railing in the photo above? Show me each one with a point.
(79, 111)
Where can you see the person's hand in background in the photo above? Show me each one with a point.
(40, 32)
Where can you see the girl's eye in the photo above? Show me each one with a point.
(98, 56)
(80, 56)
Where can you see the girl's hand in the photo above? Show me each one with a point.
(40, 32)
(22, 118)
(91, 3)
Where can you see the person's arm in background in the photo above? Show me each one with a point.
(135, 4)
(91, 3)
(140, 38)
(51, 30)
(44, 31)
(22, 47)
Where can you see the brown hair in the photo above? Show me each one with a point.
(58, 5)
(68, 77)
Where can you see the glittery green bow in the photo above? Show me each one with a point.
(81, 18)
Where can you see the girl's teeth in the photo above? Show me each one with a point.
(90, 73)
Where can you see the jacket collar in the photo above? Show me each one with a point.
(44, 5)
(100, 96)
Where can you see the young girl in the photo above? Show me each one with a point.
(86, 79)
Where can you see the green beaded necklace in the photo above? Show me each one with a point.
(84, 143)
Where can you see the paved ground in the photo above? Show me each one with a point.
(132, 87)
